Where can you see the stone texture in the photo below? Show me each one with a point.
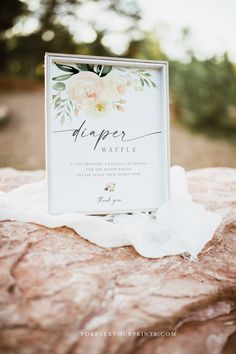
(54, 284)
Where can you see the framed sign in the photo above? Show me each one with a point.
(107, 134)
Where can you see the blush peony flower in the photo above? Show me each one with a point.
(115, 85)
(85, 88)
(96, 95)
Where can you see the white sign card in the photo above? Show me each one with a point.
(107, 134)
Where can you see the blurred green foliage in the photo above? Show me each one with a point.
(204, 95)
(56, 25)
(203, 92)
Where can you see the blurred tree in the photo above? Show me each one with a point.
(9, 11)
(147, 48)
(204, 93)
(59, 26)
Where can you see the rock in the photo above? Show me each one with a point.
(58, 292)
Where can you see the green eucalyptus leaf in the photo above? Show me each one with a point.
(57, 103)
(153, 84)
(71, 104)
(86, 67)
(62, 77)
(90, 67)
(83, 67)
(99, 68)
(67, 68)
(106, 69)
(58, 86)
(146, 82)
(56, 99)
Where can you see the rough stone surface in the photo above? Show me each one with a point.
(54, 284)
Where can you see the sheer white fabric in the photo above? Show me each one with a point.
(179, 226)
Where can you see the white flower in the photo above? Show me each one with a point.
(98, 108)
(85, 88)
(96, 95)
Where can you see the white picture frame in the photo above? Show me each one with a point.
(67, 186)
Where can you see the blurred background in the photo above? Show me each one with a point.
(197, 38)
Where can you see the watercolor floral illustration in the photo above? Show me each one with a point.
(110, 187)
(95, 89)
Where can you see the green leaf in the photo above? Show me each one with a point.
(147, 74)
(153, 84)
(57, 102)
(67, 68)
(146, 82)
(90, 67)
(58, 86)
(83, 67)
(99, 68)
(86, 67)
(71, 104)
(62, 77)
(142, 82)
(68, 107)
(105, 70)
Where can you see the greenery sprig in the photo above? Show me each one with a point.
(100, 70)
(64, 107)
